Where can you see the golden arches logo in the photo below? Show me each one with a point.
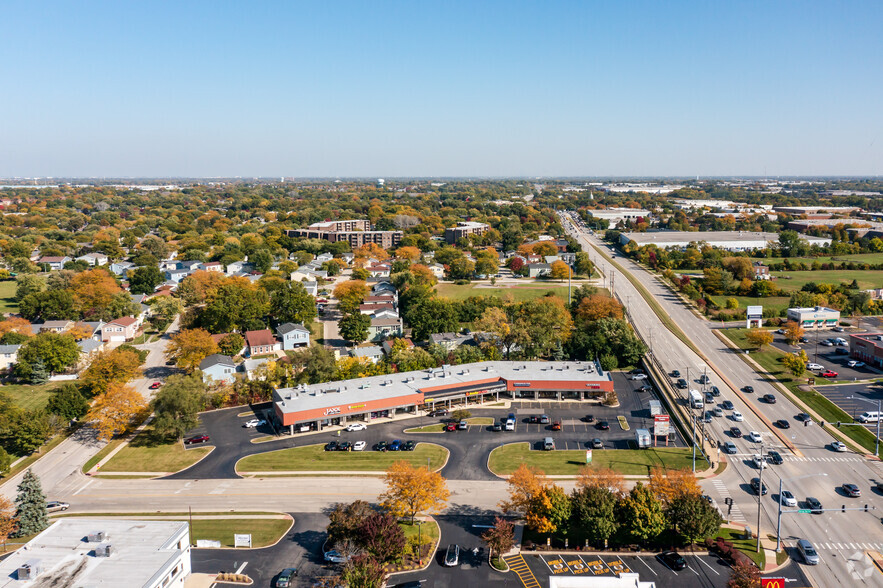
(772, 583)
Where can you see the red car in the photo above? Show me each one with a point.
(829, 374)
(155, 385)
(196, 439)
(451, 427)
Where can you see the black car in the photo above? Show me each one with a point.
(774, 457)
(439, 412)
(704, 379)
(769, 398)
(409, 446)
(727, 405)
(814, 505)
(803, 417)
(709, 398)
(381, 446)
(646, 389)
(736, 432)
(331, 446)
(715, 391)
(682, 384)
(783, 424)
(675, 374)
(603, 425)
(344, 446)
(803, 340)
(590, 418)
(748, 389)
(755, 484)
(672, 560)
(533, 419)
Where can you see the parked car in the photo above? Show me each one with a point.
(352, 428)
(597, 443)
(639, 376)
(463, 425)
(556, 426)
(826, 343)
(838, 446)
(380, 446)
(331, 446)
(787, 499)
(589, 418)
(396, 445)
(285, 577)
(803, 340)
(409, 446)
(852, 490)
(344, 446)
(837, 329)
(603, 425)
(736, 432)
(439, 412)
(155, 385)
(855, 364)
(829, 374)
(451, 427)
(254, 423)
(334, 556)
(196, 439)
(755, 486)
(769, 398)
(359, 446)
(545, 420)
(774, 457)
(533, 419)
(814, 367)
(814, 505)
(783, 424)
(56, 506)
(672, 560)
(497, 426)
(645, 388)
(452, 555)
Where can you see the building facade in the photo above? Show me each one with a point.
(463, 230)
(354, 232)
(867, 347)
(818, 317)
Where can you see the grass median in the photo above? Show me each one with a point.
(143, 454)
(314, 458)
(636, 462)
(263, 532)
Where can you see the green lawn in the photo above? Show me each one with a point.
(263, 531)
(860, 258)
(143, 455)
(519, 292)
(426, 529)
(506, 459)
(437, 428)
(775, 302)
(827, 410)
(31, 397)
(794, 281)
(314, 458)
(317, 332)
(746, 546)
(7, 297)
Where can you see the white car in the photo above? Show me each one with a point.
(759, 461)
(815, 367)
(639, 376)
(359, 445)
(356, 427)
(838, 446)
(853, 363)
(754, 437)
(737, 416)
(254, 423)
(787, 499)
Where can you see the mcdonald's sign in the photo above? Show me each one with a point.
(772, 583)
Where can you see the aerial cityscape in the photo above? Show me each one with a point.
(370, 295)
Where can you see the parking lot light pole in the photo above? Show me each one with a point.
(759, 498)
(779, 515)
(879, 404)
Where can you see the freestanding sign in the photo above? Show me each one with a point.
(588, 456)
(772, 583)
(753, 316)
(242, 540)
(661, 427)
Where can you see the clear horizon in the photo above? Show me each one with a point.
(461, 90)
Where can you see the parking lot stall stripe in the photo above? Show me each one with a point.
(647, 566)
(522, 570)
(699, 559)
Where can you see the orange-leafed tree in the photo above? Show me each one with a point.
(545, 248)
(596, 307)
(408, 252)
(119, 365)
(525, 484)
(668, 485)
(350, 295)
(793, 332)
(371, 250)
(423, 275)
(759, 337)
(598, 477)
(200, 285)
(189, 347)
(560, 270)
(8, 520)
(16, 324)
(115, 409)
(93, 291)
(411, 491)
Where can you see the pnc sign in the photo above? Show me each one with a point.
(772, 583)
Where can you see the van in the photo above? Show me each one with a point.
(869, 417)
(807, 552)
(548, 444)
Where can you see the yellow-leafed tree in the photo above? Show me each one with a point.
(560, 270)
(119, 365)
(759, 337)
(411, 491)
(114, 409)
(190, 346)
(668, 485)
(525, 484)
(793, 332)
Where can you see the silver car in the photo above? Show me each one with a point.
(808, 552)
(55, 506)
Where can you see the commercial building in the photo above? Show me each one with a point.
(798, 210)
(867, 347)
(97, 552)
(617, 215)
(464, 229)
(334, 403)
(354, 232)
(729, 240)
(818, 317)
(623, 580)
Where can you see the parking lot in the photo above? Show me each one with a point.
(834, 357)
(469, 448)
(845, 396)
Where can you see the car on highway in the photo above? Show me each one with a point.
(672, 560)
(334, 556)
(855, 364)
(451, 427)
(814, 505)
(754, 437)
(802, 416)
(352, 428)
(769, 398)
(814, 367)
(783, 424)
(254, 423)
(704, 379)
(807, 552)
(285, 578)
(787, 499)
(196, 439)
(155, 385)
(709, 398)
(682, 384)
(452, 555)
(852, 490)
(463, 425)
(736, 432)
(748, 389)
(727, 405)
(675, 374)
(708, 417)
(829, 374)
(838, 446)
(597, 443)
(331, 446)
(380, 446)
(730, 447)
(755, 486)
(359, 446)
(715, 391)
(774, 458)
(737, 416)
(603, 425)
(56, 506)
(718, 411)
(758, 461)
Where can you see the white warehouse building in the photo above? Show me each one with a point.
(729, 240)
(616, 215)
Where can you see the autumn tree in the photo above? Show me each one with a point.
(381, 536)
(8, 520)
(525, 483)
(496, 322)
(545, 248)
(793, 332)
(350, 295)
(346, 519)
(794, 363)
(410, 491)
(93, 292)
(231, 344)
(549, 510)
(408, 252)
(596, 307)
(667, 485)
(189, 347)
(559, 270)
(541, 325)
(119, 365)
(199, 286)
(501, 537)
(759, 337)
(599, 477)
(641, 515)
(114, 409)
(744, 575)
(363, 571)
(15, 324)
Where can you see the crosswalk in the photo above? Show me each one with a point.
(870, 546)
(817, 459)
(736, 513)
(520, 567)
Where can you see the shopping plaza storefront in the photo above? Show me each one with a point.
(311, 407)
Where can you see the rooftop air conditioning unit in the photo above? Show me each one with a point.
(103, 550)
(28, 570)
(97, 536)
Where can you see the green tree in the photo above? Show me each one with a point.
(30, 506)
(50, 305)
(262, 260)
(30, 433)
(594, 512)
(177, 405)
(145, 279)
(231, 344)
(732, 303)
(549, 510)
(293, 304)
(5, 461)
(68, 403)
(641, 515)
(693, 517)
(794, 364)
(56, 351)
(434, 315)
(38, 372)
(26, 284)
(316, 364)
(790, 243)
(583, 264)
(717, 280)
(354, 327)
(363, 571)
(166, 307)
(541, 325)
(121, 304)
(235, 306)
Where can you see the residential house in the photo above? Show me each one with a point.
(348, 258)
(190, 265)
(89, 348)
(311, 286)
(168, 264)
(121, 329)
(449, 341)
(372, 353)
(260, 342)
(121, 268)
(293, 336)
(381, 313)
(212, 266)
(94, 259)
(59, 326)
(550, 259)
(384, 328)
(8, 356)
(239, 267)
(176, 276)
(535, 270)
(91, 328)
(385, 298)
(381, 270)
(54, 263)
(761, 272)
(323, 257)
(218, 368)
(438, 270)
(143, 309)
(387, 345)
(371, 308)
(249, 367)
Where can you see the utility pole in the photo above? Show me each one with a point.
(760, 497)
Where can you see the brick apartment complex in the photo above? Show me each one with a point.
(464, 229)
(354, 232)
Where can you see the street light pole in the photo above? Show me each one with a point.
(879, 405)
(759, 498)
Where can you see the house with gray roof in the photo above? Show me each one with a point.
(373, 353)
(293, 335)
(8, 356)
(449, 341)
(218, 368)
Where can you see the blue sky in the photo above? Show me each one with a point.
(485, 88)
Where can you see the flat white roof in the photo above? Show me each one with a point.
(710, 237)
(139, 551)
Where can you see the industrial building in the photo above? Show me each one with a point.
(334, 403)
(867, 347)
(818, 317)
(729, 240)
(463, 230)
(95, 552)
(617, 215)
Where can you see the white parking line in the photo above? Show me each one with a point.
(692, 570)
(699, 559)
(641, 559)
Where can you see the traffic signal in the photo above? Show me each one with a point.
(866, 508)
(842, 508)
(838, 424)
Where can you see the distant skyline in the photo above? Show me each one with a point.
(454, 89)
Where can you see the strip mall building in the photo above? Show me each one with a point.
(335, 403)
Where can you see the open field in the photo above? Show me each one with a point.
(519, 292)
(776, 302)
(7, 297)
(505, 460)
(31, 397)
(859, 258)
(142, 455)
(796, 280)
(314, 458)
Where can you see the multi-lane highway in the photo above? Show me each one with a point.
(812, 469)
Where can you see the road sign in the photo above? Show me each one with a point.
(661, 425)
(772, 583)
(805, 511)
